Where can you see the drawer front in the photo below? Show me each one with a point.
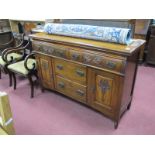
(105, 62)
(75, 55)
(50, 49)
(83, 56)
(70, 89)
(71, 71)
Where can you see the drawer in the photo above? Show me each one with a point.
(109, 63)
(71, 89)
(75, 55)
(50, 49)
(71, 71)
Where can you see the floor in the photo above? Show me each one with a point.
(51, 113)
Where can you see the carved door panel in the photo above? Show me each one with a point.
(104, 90)
(45, 71)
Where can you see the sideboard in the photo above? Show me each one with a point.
(98, 74)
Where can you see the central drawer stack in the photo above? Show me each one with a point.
(70, 79)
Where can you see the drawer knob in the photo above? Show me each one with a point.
(75, 56)
(60, 67)
(80, 92)
(61, 84)
(80, 73)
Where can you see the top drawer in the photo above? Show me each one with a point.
(88, 57)
(69, 70)
(98, 60)
(50, 49)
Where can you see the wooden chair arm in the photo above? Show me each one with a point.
(11, 48)
(25, 62)
(16, 50)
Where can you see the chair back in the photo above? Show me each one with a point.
(6, 41)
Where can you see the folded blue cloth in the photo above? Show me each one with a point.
(109, 34)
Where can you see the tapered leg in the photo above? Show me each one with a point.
(129, 105)
(10, 79)
(32, 86)
(116, 125)
(14, 79)
(36, 75)
(41, 85)
(0, 74)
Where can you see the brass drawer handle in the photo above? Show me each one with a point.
(60, 67)
(75, 56)
(61, 84)
(80, 73)
(80, 92)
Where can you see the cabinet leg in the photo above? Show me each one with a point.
(129, 105)
(116, 124)
(41, 86)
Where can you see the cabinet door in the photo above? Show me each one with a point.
(45, 71)
(104, 90)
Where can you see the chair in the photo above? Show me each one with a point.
(26, 68)
(11, 57)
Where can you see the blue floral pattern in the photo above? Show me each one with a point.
(109, 34)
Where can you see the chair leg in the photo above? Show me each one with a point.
(10, 79)
(0, 74)
(14, 79)
(36, 75)
(32, 85)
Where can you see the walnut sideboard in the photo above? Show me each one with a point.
(98, 74)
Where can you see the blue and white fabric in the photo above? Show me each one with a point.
(109, 34)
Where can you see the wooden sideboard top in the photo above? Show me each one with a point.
(114, 48)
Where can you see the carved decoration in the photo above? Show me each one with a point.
(111, 65)
(104, 85)
(97, 60)
(45, 65)
(87, 58)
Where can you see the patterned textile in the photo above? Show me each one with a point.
(14, 55)
(109, 34)
(20, 68)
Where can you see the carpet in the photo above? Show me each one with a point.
(50, 113)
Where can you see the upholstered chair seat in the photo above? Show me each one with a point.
(12, 52)
(11, 56)
(26, 68)
(19, 67)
